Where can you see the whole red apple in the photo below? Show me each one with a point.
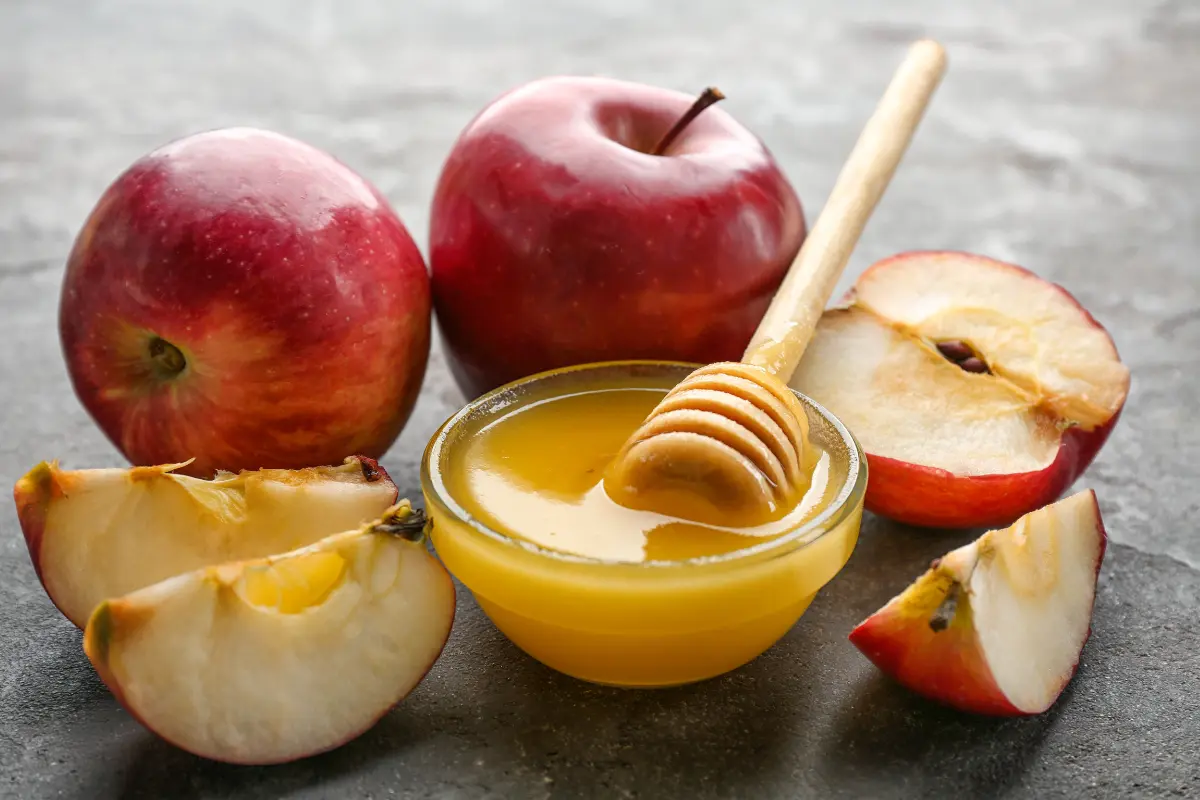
(246, 300)
(559, 237)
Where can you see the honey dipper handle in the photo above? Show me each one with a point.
(786, 328)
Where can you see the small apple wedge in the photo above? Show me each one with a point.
(99, 533)
(997, 626)
(271, 660)
(978, 390)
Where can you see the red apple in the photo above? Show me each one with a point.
(978, 390)
(558, 238)
(997, 626)
(244, 299)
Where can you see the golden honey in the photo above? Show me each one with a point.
(536, 474)
(606, 593)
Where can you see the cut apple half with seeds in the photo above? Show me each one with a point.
(997, 626)
(99, 533)
(275, 659)
(978, 390)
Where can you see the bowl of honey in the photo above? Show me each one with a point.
(514, 489)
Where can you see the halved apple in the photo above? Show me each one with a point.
(98, 533)
(997, 626)
(274, 659)
(978, 390)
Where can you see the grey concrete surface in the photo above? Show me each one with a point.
(1065, 138)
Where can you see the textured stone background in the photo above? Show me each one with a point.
(1066, 138)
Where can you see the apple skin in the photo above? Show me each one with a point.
(294, 293)
(557, 239)
(929, 497)
(32, 495)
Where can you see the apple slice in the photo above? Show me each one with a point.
(270, 660)
(98, 533)
(978, 390)
(997, 626)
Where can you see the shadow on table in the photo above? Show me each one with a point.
(887, 733)
(508, 726)
(157, 769)
(545, 734)
(724, 733)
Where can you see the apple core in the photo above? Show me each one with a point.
(962, 354)
(293, 585)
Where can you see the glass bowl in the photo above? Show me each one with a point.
(644, 624)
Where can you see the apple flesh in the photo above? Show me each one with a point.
(558, 238)
(271, 660)
(244, 300)
(978, 390)
(997, 626)
(99, 533)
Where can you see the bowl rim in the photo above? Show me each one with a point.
(846, 501)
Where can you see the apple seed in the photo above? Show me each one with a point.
(960, 353)
(973, 364)
(369, 471)
(944, 614)
(955, 351)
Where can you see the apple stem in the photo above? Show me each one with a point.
(407, 524)
(709, 96)
(166, 357)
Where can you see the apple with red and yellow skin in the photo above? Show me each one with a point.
(978, 390)
(997, 626)
(559, 237)
(245, 300)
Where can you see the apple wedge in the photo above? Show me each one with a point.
(99, 533)
(275, 659)
(997, 626)
(978, 390)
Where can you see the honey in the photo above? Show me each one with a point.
(536, 474)
(513, 485)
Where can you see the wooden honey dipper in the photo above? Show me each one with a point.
(729, 444)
